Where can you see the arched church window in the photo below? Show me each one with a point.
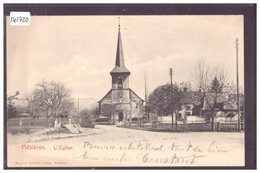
(120, 83)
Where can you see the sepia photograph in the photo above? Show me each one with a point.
(124, 90)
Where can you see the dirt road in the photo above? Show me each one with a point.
(115, 146)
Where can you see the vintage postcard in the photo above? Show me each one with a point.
(124, 90)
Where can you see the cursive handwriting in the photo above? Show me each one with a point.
(214, 148)
(174, 159)
(149, 152)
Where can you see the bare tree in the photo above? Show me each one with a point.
(212, 81)
(49, 97)
(201, 75)
(33, 107)
(67, 108)
(108, 110)
(11, 109)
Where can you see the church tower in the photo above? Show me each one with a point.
(120, 101)
(120, 75)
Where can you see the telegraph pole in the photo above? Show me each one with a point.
(78, 107)
(145, 92)
(171, 97)
(238, 105)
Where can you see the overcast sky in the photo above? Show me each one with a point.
(80, 51)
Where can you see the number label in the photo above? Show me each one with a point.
(20, 18)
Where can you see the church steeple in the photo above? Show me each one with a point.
(120, 61)
(119, 53)
(120, 95)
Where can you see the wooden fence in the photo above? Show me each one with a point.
(192, 126)
(45, 122)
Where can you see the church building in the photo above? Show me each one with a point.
(122, 102)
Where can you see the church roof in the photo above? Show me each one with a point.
(120, 61)
(118, 69)
(109, 100)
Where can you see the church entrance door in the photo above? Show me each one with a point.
(120, 116)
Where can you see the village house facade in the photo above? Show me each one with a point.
(196, 109)
(122, 102)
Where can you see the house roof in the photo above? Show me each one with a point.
(228, 105)
(24, 114)
(192, 97)
(209, 100)
(226, 100)
(120, 61)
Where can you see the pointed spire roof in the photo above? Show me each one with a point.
(120, 61)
